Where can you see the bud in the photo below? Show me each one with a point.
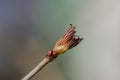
(67, 41)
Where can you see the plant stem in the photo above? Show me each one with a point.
(66, 42)
(37, 68)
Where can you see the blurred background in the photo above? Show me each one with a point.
(29, 28)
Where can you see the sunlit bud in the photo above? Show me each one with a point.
(67, 41)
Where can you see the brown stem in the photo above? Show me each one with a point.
(68, 41)
(37, 68)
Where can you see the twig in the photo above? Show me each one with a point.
(37, 69)
(66, 42)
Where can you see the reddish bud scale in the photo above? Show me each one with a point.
(51, 55)
(66, 42)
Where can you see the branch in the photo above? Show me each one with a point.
(66, 42)
(36, 69)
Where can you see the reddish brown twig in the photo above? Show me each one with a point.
(66, 42)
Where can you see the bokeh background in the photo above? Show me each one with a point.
(29, 28)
